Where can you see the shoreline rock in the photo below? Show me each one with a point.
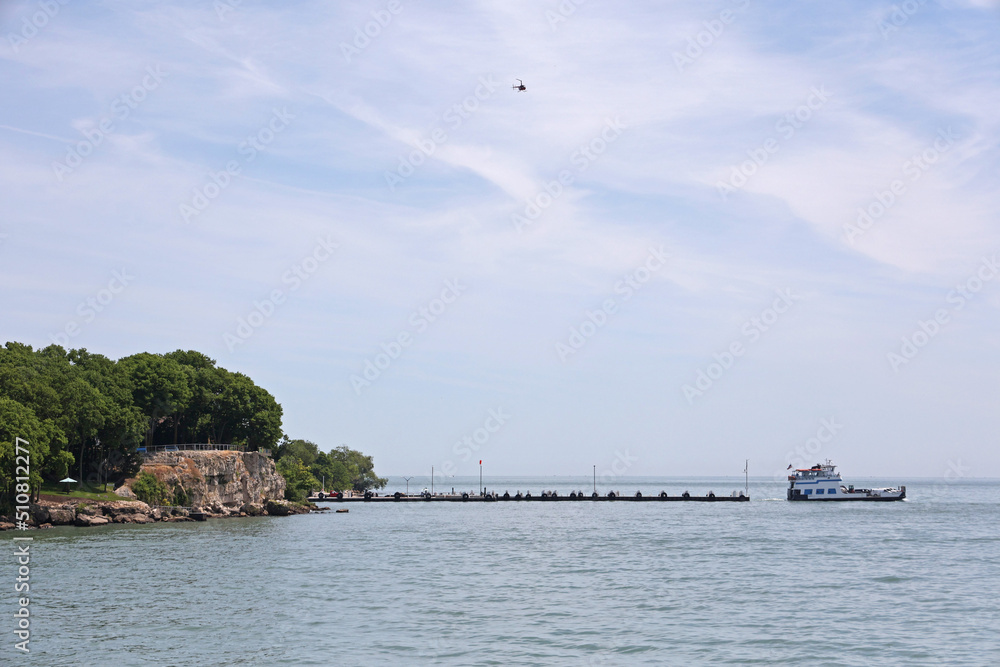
(88, 513)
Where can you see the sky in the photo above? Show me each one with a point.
(705, 232)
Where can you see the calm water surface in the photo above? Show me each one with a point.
(762, 583)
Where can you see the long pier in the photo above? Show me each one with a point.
(528, 497)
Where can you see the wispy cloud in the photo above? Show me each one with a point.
(468, 158)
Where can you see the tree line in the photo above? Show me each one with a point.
(306, 468)
(86, 416)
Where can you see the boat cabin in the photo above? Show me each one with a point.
(817, 483)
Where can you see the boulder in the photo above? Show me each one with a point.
(61, 517)
(141, 518)
(39, 514)
(125, 492)
(132, 508)
(278, 508)
(155, 514)
(99, 521)
(252, 509)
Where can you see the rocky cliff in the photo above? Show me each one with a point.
(215, 479)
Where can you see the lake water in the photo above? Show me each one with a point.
(761, 583)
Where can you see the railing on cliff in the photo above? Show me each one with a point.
(201, 447)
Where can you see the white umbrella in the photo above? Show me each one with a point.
(68, 480)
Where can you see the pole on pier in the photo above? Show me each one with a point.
(432, 480)
(595, 478)
(407, 484)
(746, 477)
(481, 477)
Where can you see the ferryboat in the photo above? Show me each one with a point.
(822, 482)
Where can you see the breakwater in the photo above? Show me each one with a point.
(397, 497)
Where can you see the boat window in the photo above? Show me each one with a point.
(819, 492)
(808, 491)
(833, 490)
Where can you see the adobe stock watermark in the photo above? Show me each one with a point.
(455, 116)
(620, 464)
(294, 278)
(953, 473)
(121, 108)
(703, 40)
(596, 319)
(752, 330)
(420, 320)
(581, 158)
(381, 18)
(225, 7)
(883, 200)
(899, 16)
(88, 309)
(804, 455)
(22, 545)
(472, 443)
(928, 329)
(786, 127)
(31, 26)
(563, 11)
(218, 181)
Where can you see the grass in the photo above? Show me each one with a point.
(88, 492)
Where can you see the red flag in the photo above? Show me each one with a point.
(480, 462)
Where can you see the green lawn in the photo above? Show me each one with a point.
(89, 492)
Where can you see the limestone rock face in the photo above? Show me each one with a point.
(216, 478)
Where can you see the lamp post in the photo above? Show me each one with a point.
(595, 478)
(432, 480)
(481, 478)
(407, 484)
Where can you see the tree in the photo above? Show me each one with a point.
(298, 480)
(160, 387)
(352, 469)
(18, 421)
(303, 450)
(336, 475)
(103, 411)
(362, 468)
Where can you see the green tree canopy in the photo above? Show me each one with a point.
(299, 482)
(340, 469)
(86, 409)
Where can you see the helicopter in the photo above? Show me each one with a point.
(520, 85)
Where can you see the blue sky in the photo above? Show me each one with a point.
(701, 234)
